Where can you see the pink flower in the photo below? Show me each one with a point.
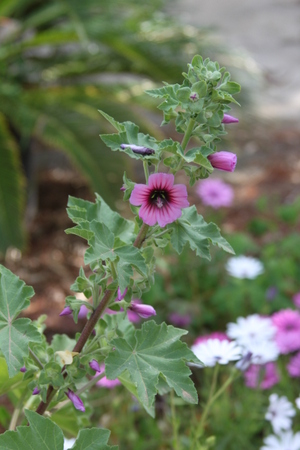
(296, 299)
(95, 365)
(161, 201)
(293, 366)
(214, 335)
(104, 382)
(66, 311)
(223, 161)
(229, 119)
(77, 402)
(287, 336)
(263, 377)
(120, 295)
(144, 311)
(215, 193)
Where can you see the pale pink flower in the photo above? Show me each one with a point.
(214, 335)
(144, 311)
(161, 201)
(77, 402)
(229, 119)
(105, 382)
(263, 377)
(223, 161)
(287, 322)
(215, 193)
(293, 366)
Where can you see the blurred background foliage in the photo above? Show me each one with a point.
(61, 61)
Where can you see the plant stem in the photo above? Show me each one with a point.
(90, 324)
(36, 359)
(188, 134)
(17, 411)
(146, 170)
(176, 444)
(141, 236)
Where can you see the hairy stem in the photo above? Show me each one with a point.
(188, 134)
(91, 323)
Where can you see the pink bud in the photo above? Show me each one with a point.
(144, 311)
(66, 311)
(95, 365)
(23, 369)
(123, 188)
(77, 402)
(229, 119)
(120, 295)
(36, 391)
(223, 161)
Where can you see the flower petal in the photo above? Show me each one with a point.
(139, 194)
(178, 196)
(148, 214)
(163, 181)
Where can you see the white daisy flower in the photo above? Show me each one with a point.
(263, 352)
(284, 441)
(280, 413)
(68, 443)
(215, 351)
(244, 267)
(251, 329)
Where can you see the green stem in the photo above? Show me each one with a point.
(146, 170)
(141, 236)
(17, 411)
(36, 359)
(176, 443)
(188, 134)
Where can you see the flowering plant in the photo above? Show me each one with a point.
(120, 266)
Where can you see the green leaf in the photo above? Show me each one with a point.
(83, 212)
(154, 350)
(192, 229)
(41, 433)
(44, 434)
(101, 244)
(6, 383)
(117, 125)
(131, 135)
(93, 439)
(15, 334)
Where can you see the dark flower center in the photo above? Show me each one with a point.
(159, 198)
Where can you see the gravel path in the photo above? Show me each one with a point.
(269, 30)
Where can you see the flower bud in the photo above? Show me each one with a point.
(144, 311)
(194, 97)
(23, 369)
(36, 391)
(120, 295)
(229, 119)
(138, 149)
(77, 402)
(66, 311)
(223, 161)
(95, 365)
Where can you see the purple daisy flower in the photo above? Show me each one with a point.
(161, 201)
(293, 366)
(264, 377)
(223, 161)
(287, 336)
(215, 193)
